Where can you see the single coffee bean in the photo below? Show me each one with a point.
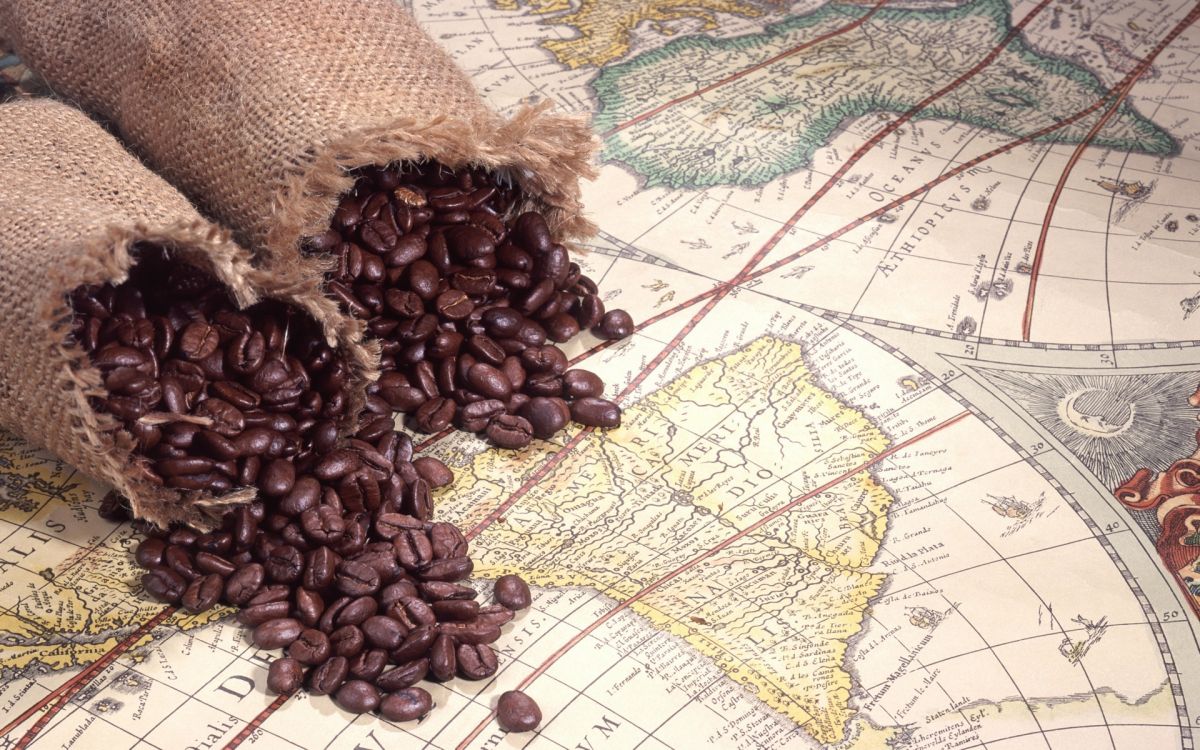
(270, 594)
(311, 647)
(443, 662)
(413, 549)
(416, 644)
(476, 662)
(208, 562)
(150, 551)
(488, 381)
(581, 384)
(203, 593)
(517, 712)
(357, 611)
(450, 569)
(347, 641)
(305, 494)
(510, 431)
(328, 677)
(416, 500)
(255, 615)
(278, 633)
(447, 541)
(512, 592)
(285, 676)
(285, 564)
(596, 412)
(475, 631)
(323, 525)
(320, 566)
(434, 415)
(358, 696)
(277, 478)
(164, 584)
(356, 579)
(546, 415)
(309, 607)
(404, 676)
(408, 704)
(435, 591)
(495, 614)
(384, 632)
(455, 609)
(179, 560)
(616, 324)
(244, 584)
(368, 665)
(198, 340)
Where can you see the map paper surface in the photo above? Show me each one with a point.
(907, 455)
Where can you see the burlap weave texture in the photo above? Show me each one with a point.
(73, 204)
(256, 108)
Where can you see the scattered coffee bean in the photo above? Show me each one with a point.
(408, 704)
(517, 712)
(285, 676)
(512, 592)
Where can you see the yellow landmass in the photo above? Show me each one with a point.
(604, 27)
(709, 456)
(90, 602)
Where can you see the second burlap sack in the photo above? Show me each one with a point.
(258, 108)
(74, 204)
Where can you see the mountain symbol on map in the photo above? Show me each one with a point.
(1114, 424)
(790, 97)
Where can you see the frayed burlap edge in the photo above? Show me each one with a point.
(546, 154)
(106, 258)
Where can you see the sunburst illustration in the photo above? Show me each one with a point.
(1114, 424)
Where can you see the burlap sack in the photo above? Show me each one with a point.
(256, 108)
(72, 203)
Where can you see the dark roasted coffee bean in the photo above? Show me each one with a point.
(257, 614)
(447, 540)
(409, 704)
(434, 415)
(179, 560)
(269, 594)
(590, 311)
(416, 644)
(517, 712)
(368, 665)
(510, 431)
(356, 579)
(347, 641)
(406, 675)
(277, 478)
(150, 552)
(474, 417)
(198, 340)
(395, 592)
(581, 384)
(320, 566)
(596, 412)
(164, 584)
(476, 662)
(443, 662)
(416, 499)
(278, 633)
(435, 591)
(358, 696)
(546, 415)
(203, 593)
(244, 584)
(462, 610)
(208, 562)
(305, 494)
(311, 647)
(512, 592)
(562, 327)
(475, 631)
(336, 465)
(495, 614)
(489, 381)
(328, 677)
(285, 564)
(502, 322)
(383, 632)
(285, 676)
(542, 359)
(450, 569)
(323, 525)
(531, 232)
(309, 607)
(356, 611)
(616, 324)
(433, 471)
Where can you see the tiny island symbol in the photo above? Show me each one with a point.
(924, 617)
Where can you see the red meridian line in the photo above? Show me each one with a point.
(253, 726)
(578, 637)
(752, 69)
(69, 689)
(1125, 89)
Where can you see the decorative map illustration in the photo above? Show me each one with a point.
(909, 456)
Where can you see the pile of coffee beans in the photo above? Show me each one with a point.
(341, 565)
(465, 303)
(338, 561)
(212, 394)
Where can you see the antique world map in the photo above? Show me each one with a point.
(907, 457)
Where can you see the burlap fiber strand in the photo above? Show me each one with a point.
(73, 203)
(256, 108)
